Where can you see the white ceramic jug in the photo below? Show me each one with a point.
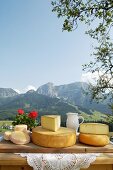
(73, 120)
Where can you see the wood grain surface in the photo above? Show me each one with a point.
(11, 161)
(9, 147)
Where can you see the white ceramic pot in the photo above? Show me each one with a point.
(73, 120)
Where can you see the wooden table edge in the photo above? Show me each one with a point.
(15, 159)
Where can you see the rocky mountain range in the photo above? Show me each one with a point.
(50, 99)
(64, 91)
(74, 93)
(7, 92)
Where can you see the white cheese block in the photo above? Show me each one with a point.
(19, 137)
(51, 122)
(20, 128)
(7, 135)
(94, 128)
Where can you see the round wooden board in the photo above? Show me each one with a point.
(64, 137)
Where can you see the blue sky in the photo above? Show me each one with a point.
(33, 48)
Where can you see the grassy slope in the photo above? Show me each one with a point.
(8, 123)
(5, 122)
(95, 116)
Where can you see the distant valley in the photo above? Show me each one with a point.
(50, 99)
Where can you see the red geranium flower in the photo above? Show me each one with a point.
(20, 111)
(28, 119)
(33, 114)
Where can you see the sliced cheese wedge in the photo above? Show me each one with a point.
(51, 122)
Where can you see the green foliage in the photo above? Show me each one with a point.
(98, 15)
(27, 119)
(85, 11)
(24, 119)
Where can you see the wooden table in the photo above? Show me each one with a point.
(9, 147)
(10, 161)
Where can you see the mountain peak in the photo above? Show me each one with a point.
(58, 91)
(30, 91)
(7, 92)
(48, 90)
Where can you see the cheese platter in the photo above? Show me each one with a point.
(52, 138)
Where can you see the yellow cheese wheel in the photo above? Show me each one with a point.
(19, 137)
(7, 135)
(94, 140)
(63, 137)
(94, 128)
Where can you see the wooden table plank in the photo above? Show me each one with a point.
(11, 161)
(9, 147)
(104, 158)
(99, 167)
(14, 159)
(105, 149)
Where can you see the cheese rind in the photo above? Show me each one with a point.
(7, 135)
(94, 140)
(19, 137)
(20, 127)
(51, 122)
(94, 128)
(63, 137)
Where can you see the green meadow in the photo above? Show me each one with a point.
(4, 125)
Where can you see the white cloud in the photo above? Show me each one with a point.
(90, 77)
(29, 87)
(93, 77)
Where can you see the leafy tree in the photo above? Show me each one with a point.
(98, 15)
